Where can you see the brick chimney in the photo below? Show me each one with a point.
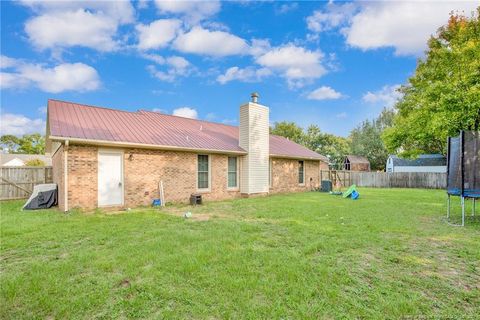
(254, 138)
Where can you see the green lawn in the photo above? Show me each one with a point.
(310, 255)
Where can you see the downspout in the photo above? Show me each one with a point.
(65, 175)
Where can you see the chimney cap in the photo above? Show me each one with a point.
(255, 96)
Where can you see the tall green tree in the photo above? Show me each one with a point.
(329, 145)
(366, 139)
(333, 147)
(288, 130)
(29, 143)
(443, 96)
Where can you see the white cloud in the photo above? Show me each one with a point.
(259, 47)
(406, 26)
(42, 110)
(186, 112)
(324, 93)
(193, 11)
(403, 25)
(176, 67)
(7, 62)
(160, 110)
(333, 17)
(211, 43)
(297, 64)
(154, 57)
(67, 29)
(12, 80)
(18, 125)
(179, 63)
(158, 33)
(62, 24)
(387, 96)
(286, 7)
(63, 77)
(248, 74)
(120, 10)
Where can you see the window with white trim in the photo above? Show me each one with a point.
(203, 172)
(301, 172)
(232, 172)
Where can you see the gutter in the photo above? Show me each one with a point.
(141, 145)
(296, 158)
(107, 143)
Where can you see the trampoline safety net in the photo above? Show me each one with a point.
(463, 177)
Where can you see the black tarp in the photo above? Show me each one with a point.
(43, 197)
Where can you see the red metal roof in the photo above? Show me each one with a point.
(73, 120)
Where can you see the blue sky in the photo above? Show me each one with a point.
(331, 64)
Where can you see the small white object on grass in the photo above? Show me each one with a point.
(187, 215)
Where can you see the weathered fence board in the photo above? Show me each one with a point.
(342, 176)
(427, 180)
(16, 181)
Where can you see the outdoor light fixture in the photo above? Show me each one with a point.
(130, 157)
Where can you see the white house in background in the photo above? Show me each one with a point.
(424, 163)
(19, 160)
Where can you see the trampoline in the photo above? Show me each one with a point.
(463, 169)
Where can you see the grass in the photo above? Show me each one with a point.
(310, 255)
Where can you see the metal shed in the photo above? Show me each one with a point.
(424, 163)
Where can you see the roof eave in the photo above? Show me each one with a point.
(119, 144)
(283, 156)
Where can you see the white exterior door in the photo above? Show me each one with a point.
(110, 179)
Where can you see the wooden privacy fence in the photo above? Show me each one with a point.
(342, 176)
(18, 182)
(427, 180)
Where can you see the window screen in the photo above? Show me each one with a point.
(300, 172)
(232, 172)
(202, 172)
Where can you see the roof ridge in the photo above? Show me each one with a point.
(92, 106)
(199, 120)
(139, 112)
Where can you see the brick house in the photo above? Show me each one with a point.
(110, 158)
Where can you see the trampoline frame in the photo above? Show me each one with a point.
(462, 190)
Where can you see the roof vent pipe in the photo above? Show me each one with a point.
(254, 96)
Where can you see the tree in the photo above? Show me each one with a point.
(10, 143)
(366, 139)
(333, 147)
(329, 145)
(288, 130)
(35, 163)
(29, 143)
(442, 97)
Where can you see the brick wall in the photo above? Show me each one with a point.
(285, 175)
(82, 177)
(142, 174)
(144, 169)
(177, 170)
(57, 175)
